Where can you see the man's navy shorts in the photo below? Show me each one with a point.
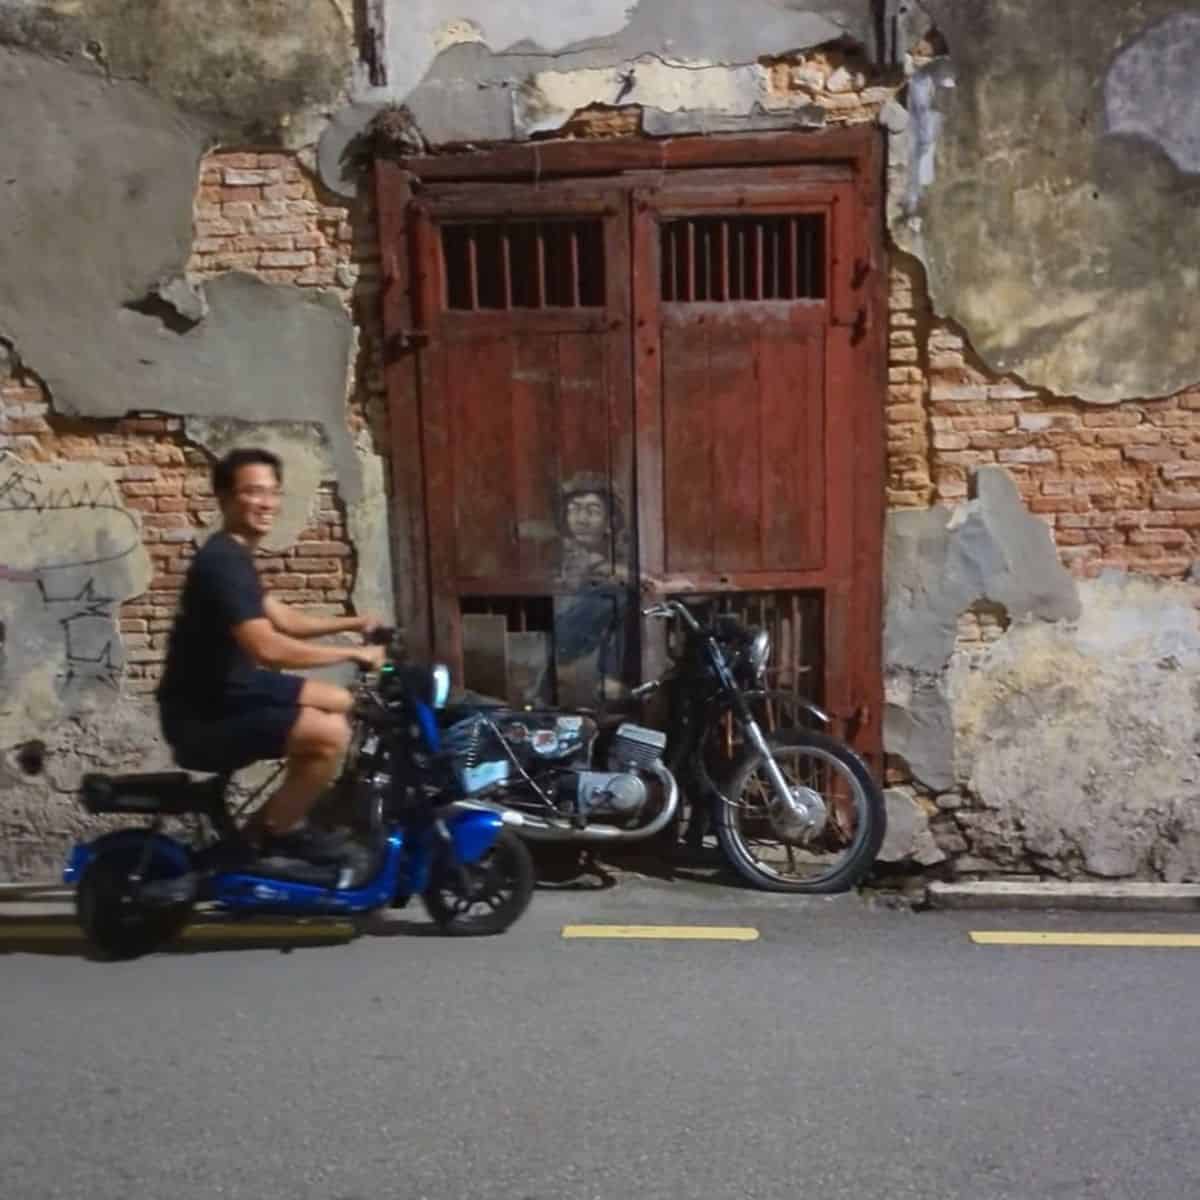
(254, 724)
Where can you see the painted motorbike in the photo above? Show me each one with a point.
(793, 809)
(136, 888)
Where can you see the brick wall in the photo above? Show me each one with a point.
(1118, 486)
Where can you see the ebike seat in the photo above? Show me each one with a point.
(161, 793)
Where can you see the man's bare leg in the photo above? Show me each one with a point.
(315, 746)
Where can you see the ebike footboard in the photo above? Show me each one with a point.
(164, 793)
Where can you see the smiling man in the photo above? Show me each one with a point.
(224, 700)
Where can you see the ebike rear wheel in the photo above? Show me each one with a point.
(484, 897)
(111, 915)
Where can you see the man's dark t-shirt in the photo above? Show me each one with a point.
(208, 676)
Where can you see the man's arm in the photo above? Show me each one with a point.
(268, 647)
(295, 624)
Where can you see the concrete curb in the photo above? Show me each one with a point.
(1078, 897)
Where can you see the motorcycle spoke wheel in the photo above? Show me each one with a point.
(483, 897)
(830, 859)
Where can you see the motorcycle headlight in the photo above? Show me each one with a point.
(441, 685)
(759, 651)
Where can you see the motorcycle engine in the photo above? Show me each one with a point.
(620, 792)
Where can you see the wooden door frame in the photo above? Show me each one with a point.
(856, 621)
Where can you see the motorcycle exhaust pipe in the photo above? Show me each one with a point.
(537, 829)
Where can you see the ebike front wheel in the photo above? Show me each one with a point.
(484, 897)
(113, 918)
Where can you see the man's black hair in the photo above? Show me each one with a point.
(225, 470)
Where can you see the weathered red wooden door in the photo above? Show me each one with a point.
(751, 443)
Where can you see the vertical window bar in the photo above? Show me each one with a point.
(689, 258)
(540, 274)
(472, 268)
(792, 261)
(669, 263)
(811, 229)
(506, 264)
(573, 261)
(758, 265)
(724, 262)
(737, 263)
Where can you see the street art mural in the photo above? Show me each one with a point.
(70, 553)
(591, 613)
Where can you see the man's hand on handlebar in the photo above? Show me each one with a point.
(369, 658)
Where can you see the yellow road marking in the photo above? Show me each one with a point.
(699, 933)
(66, 932)
(1011, 937)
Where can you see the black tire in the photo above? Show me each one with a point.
(839, 856)
(111, 917)
(501, 886)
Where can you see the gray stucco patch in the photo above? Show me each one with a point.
(1064, 247)
(99, 231)
(939, 562)
(1152, 91)
(255, 69)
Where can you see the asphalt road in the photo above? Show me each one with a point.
(849, 1051)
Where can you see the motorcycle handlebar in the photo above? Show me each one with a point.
(672, 608)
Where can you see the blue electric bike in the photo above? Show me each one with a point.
(136, 888)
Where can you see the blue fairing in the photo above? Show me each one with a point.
(427, 719)
(165, 849)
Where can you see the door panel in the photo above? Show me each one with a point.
(526, 405)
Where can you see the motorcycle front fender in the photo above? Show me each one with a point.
(80, 856)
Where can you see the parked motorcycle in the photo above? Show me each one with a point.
(795, 812)
(793, 809)
(137, 887)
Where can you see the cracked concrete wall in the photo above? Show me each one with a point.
(479, 71)
(1048, 178)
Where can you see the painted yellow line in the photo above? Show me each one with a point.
(1011, 937)
(66, 932)
(699, 933)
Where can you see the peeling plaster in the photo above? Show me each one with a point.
(940, 562)
(687, 64)
(100, 231)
